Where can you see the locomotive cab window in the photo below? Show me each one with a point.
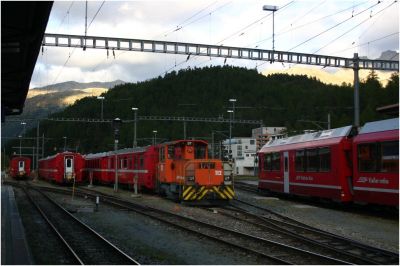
(276, 161)
(200, 151)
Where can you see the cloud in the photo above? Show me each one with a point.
(207, 22)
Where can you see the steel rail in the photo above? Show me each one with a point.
(145, 209)
(372, 255)
(123, 255)
(52, 226)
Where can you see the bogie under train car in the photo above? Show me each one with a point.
(336, 164)
(62, 168)
(20, 167)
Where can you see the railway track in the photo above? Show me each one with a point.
(85, 245)
(353, 251)
(271, 252)
(246, 187)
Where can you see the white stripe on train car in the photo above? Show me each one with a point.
(315, 185)
(383, 190)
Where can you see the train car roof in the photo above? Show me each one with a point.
(54, 155)
(184, 140)
(320, 135)
(379, 126)
(109, 153)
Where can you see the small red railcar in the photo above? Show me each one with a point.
(376, 163)
(314, 164)
(62, 168)
(20, 167)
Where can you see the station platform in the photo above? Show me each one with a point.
(14, 247)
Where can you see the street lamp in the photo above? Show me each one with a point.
(135, 109)
(102, 99)
(65, 143)
(230, 132)
(155, 137)
(273, 9)
(116, 124)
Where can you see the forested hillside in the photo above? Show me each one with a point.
(279, 100)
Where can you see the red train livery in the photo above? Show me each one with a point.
(20, 167)
(62, 168)
(376, 163)
(179, 169)
(336, 165)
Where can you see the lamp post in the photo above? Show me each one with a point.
(65, 143)
(155, 137)
(233, 107)
(102, 99)
(116, 124)
(135, 109)
(230, 132)
(273, 9)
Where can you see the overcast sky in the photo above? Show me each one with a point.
(234, 23)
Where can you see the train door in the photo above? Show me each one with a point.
(68, 166)
(286, 172)
(21, 166)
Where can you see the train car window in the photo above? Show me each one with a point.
(162, 154)
(276, 161)
(69, 161)
(171, 150)
(112, 163)
(267, 162)
(178, 153)
(300, 161)
(390, 157)
(367, 157)
(141, 162)
(312, 160)
(21, 164)
(324, 159)
(200, 152)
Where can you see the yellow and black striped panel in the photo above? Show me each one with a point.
(191, 193)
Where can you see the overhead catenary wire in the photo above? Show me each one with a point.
(336, 25)
(231, 35)
(359, 24)
(71, 53)
(365, 43)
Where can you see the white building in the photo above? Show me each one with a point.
(243, 154)
(264, 134)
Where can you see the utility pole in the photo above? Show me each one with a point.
(37, 145)
(135, 109)
(184, 129)
(116, 124)
(356, 91)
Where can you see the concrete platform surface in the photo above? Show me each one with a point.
(14, 247)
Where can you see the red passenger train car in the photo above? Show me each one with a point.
(62, 168)
(314, 164)
(376, 163)
(336, 164)
(20, 167)
(180, 169)
(131, 163)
